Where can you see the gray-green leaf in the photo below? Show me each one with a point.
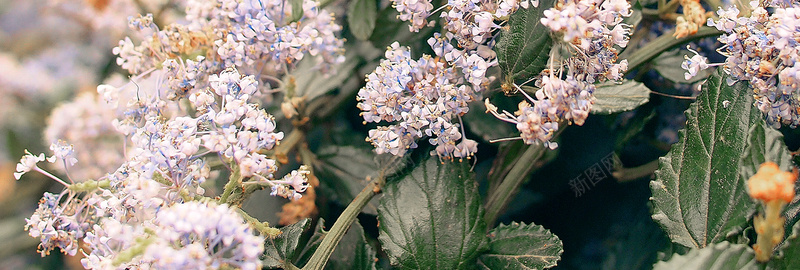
(721, 256)
(281, 250)
(699, 195)
(523, 50)
(520, 246)
(613, 98)
(431, 218)
(361, 18)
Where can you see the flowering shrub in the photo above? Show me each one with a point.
(254, 134)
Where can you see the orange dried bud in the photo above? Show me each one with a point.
(770, 183)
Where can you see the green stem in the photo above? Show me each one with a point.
(331, 239)
(262, 227)
(657, 46)
(500, 198)
(234, 181)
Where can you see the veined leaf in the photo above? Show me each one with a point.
(282, 249)
(611, 97)
(520, 246)
(699, 195)
(721, 256)
(523, 50)
(432, 218)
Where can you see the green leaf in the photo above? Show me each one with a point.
(361, 18)
(431, 218)
(297, 10)
(523, 50)
(668, 64)
(721, 256)
(310, 82)
(520, 246)
(282, 249)
(699, 195)
(353, 251)
(613, 98)
(344, 171)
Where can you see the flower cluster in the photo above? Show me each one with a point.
(770, 184)
(470, 25)
(191, 235)
(762, 48)
(146, 203)
(424, 96)
(590, 30)
(259, 37)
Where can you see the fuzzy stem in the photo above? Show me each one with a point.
(234, 181)
(331, 239)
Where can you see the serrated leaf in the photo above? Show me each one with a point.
(699, 195)
(361, 18)
(281, 250)
(611, 97)
(523, 50)
(668, 64)
(432, 218)
(721, 256)
(520, 246)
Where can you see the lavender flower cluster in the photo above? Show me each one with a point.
(187, 105)
(426, 96)
(589, 30)
(258, 37)
(762, 48)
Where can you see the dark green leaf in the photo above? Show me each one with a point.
(361, 18)
(431, 218)
(520, 246)
(613, 98)
(699, 195)
(353, 251)
(668, 64)
(282, 249)
(523, 50)
(344, 171)
(721, 256)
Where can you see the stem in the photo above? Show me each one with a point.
(262, 227)
(234, 181)
(331, 239)
(657, 46)
(500, 198)
(287, 144)
(629, 174)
